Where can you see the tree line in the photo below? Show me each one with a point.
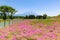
(36, 17)
(44, 16)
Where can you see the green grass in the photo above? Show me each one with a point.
(45, 21)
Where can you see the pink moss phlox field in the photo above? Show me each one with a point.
(28, 30)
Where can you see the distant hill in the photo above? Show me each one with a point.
(27, 13)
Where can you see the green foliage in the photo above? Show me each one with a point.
(26, 17)
(44, 16)
(4, 16)
(39, 17)
(36, 17)
(6, 11)
(31, 16)
(11, 17)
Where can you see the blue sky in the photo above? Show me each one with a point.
(50, 7)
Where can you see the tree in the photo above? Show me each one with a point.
(3, 10)
(44, 16)
(39, 17)
(6, 11)
(12, 11)
(1, 15)
(31, 16)
(26, 17)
